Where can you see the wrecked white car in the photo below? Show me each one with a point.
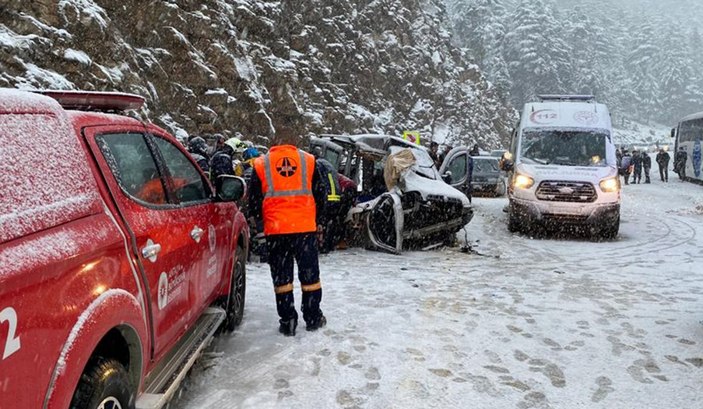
(403, 201)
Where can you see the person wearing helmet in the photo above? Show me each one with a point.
(221, 163)
(244, 168)
(219, 142)
(198, 150)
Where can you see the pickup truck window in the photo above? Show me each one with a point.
(133, 165)
(188, 183)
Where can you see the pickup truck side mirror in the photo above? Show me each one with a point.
(230, 188)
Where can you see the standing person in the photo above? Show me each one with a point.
(221, 164)
(219, 142)
(331, 226)
(198, 150)
(626, 166)
(285, 190)
(646, 165)
(434, 154)
(474, 150)
(663, 162)
(637, 166)
(680, 163)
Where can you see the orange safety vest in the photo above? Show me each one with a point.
(286, 182)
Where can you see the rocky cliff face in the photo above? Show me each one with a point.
(268, 69)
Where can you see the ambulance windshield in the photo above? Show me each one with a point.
(565, 147)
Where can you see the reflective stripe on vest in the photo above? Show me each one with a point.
(269, 179)
(333, 196)
(288, 205)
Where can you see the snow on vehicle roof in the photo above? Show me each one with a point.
(45, 177)
(14, 101)
(374, 141)
(698, 115)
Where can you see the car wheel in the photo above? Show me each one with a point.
(235, 302)
(104, 385)
(501, 189)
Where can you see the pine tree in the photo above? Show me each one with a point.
(536, 53)
(639, 63)
(479, 27)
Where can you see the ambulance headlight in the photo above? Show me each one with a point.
(522, 181)
(610, 185)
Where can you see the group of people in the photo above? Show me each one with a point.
(296, 207)
(636, 163)
(227, 157)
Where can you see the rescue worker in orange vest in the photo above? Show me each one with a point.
(286, 191)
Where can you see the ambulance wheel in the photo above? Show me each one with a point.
(514, 224)
(235, 303)
(104, 385)
(610, 232)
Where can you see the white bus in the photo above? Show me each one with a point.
(563, 165)
(688, 134)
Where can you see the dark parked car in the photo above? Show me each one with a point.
(487, 177)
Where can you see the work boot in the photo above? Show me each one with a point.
(317, 324)
(287, 328)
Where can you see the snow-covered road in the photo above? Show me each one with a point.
(520, 323)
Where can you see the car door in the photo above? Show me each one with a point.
(458, 162)
(161, 245)
(209, 224)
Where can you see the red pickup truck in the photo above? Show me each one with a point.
(118, 260)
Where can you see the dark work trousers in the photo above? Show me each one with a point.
(637, 175)
(646, 175)
(664, 172)
(331, 234)
(282, 250)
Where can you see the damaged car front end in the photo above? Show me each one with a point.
(403, 201)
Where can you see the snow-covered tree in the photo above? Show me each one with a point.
(537, 55)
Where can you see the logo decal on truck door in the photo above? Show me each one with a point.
(163, 291)
(170, 286)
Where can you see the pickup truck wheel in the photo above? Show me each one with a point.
(235, 304)
(104, 385)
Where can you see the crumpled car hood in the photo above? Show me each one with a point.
(412, 182)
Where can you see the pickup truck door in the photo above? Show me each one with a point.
(161, 246)
(209, 224)
(458, 162)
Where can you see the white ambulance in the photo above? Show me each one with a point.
(563, 166)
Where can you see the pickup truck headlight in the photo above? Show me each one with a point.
(610, 185)
(522, 181)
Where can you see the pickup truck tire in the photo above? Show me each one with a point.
(235, 303)
(104, 385)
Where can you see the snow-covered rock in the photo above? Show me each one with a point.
(281, 69)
